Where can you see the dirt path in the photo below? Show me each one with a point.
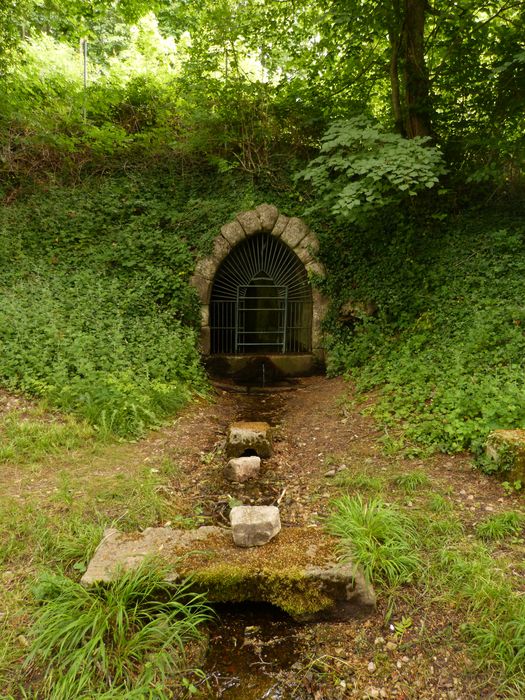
(410, 648)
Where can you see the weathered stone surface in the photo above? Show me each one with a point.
(295, 232)
(207, 267)
(249, 221)
(507, 449)
(241, 469)
(296, 571)
(357, 309)
(205, 315)
(203, 287)
(267, 214)
(205, 339)
(280, 225)
(233, 233)
(308, 247)
(255, 438)
(221, 248)
(315, 268)
(253, 526)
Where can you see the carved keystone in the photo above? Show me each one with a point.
(253, 526)
(254, 438)
(267, 214)
(242, 468)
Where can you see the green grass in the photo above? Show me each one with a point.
(500, 526)
(359, 482)
(124, 637)
(376, 536)
(412, 481)
(25, 439)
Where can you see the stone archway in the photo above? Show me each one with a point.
(291, 231)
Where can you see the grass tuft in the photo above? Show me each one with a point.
(125, 637)
(499, 526)
(376, 536)
(412, 481)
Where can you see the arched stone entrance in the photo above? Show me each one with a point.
(255, 293)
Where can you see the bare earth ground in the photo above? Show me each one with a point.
(410, 648)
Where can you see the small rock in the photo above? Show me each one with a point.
(330, 472)
(489, 509)
(241, 469)
(379, 640)
(391, 646)
(399, 664)
(253, 526)
(372, 667)
(405, 659)
(470, 497)
(372, 693)
(463, 492)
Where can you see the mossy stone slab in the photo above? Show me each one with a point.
(297, 571)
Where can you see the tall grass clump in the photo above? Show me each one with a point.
(126, 637)
(377, 537)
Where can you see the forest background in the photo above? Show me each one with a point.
(130, 131)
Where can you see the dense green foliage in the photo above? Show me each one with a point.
(96, 312)
(447, 343)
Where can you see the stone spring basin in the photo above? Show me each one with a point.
(296, 571)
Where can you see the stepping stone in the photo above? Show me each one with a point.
(241, 469)
(297, 571)
(253, 526)
(253, 438)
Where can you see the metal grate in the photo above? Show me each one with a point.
(261, 300)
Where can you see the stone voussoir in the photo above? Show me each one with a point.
(250, 222)
(233, 233)
(254, 526)
(254, 437)
(296, 571)
(241, 469)
(295, 232)
(280, 225)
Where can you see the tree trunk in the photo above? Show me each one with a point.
(417, 107)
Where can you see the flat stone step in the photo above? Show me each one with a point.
(254, 437)
(297, 571)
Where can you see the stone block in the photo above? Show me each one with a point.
(233, 233)
(280, 225)
(297, 571)
(506, 448)
(205, 315)
(249, 221)
(254, 438)
(315, 268)
(253, 526)
(268, 215)
(241, 469)
(205, 340)
(203, 287)
(221, 248)
(295, 232)
(207, 267)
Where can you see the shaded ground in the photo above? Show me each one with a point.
(410, 648)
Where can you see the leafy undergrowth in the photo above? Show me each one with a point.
(96, 313)
(446, 345)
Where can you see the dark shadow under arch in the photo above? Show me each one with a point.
(261, 301)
